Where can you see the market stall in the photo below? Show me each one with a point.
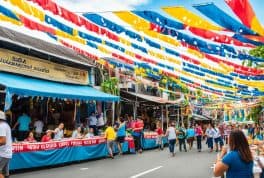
(33, 155)
(29, 155)
(150, 140)
(150, 108)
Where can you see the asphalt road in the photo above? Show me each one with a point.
(149, 164)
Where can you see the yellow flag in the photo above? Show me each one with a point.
(8, 19)
(141, 24)
(256, 26)
(189, 18)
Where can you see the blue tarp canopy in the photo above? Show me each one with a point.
(26, 86)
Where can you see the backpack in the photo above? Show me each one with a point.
(182, 133)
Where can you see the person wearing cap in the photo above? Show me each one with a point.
(5, 146)
(47, 137)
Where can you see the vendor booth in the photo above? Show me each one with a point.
(48, 80)
(149, 108)
(33, 155)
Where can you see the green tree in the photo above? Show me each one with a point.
(111, 86)
(255, 112)
(257, 52)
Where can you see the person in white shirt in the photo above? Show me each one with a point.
(210, 134)
(77, 133)
(59, 132)
(38, 125)
(101, 122)
(90, 134)
(171, 134)
(217, 138)
(93, 122)
(5, 146)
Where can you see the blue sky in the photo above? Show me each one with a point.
(258, 6)
(115, 5)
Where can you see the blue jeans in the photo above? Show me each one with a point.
(199, 142)
(210, 142)
(172, 145)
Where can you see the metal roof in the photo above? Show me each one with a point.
(23, 43)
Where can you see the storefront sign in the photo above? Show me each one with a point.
(18, 63)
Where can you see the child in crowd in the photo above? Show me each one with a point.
(110, 136)
(90, 134)
(77, 133)
(30, 138)
(159, 132)
(47, 137)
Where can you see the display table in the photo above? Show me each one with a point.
(32, 155)
(150, 140)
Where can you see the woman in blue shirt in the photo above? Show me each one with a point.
(238, 163)
(190, 136)
(121, 134)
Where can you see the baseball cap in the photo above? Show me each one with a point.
(2, 115)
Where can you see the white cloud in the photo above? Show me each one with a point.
(100, 5)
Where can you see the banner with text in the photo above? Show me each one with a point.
(22, 64)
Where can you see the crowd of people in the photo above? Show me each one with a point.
(228, 139)
(25, 127)
(94, 125)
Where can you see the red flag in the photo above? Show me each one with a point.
(246, 14)
(243, 10)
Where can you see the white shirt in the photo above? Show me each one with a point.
(5, 131)
(39, 126)
(216, 133)
(171, 133)
(210, 132)
(75, 134)
(92, 120)
(100, 120)
(59, 134)
(89, 135)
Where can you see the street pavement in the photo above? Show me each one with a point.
(149, 164)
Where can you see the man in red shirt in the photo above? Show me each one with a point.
(137, 134)
(47, 137)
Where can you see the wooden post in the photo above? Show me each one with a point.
(135, 110)
(162, 117)
(113, 113)
(75, 111)
(104, 110)
(167, 116)
(181, 117)
(178, 117)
